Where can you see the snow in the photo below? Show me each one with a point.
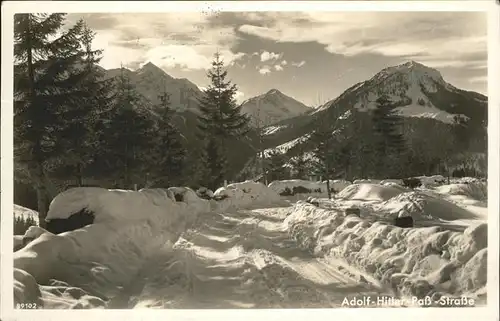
(403, 84)
(370, 192)
(415, 110)
(428, 261)
(285, 147)
(280, 186)
(20, 211)
(245, 194)
(272, 130)
(251, 248)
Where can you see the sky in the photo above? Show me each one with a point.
(310, 56)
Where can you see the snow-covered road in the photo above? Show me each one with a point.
(250, 248)
(243, 259)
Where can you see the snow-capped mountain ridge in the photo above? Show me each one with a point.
(411, 86)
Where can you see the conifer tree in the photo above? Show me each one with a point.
(45, 84)
(389, 141)
(328, 140)
(276, 169)
(214, 165)
(169, 153)
(85, 119)
(129, 135)
(299, 166)
(220, 118)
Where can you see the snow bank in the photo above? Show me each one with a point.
(391, 182)
(367, 181)
(246, 194)
(415, 262)
(306, 187)
(128, 227)
(474, 190)
(425, 205)
(370, 192)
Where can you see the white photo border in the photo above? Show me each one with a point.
(9, 8)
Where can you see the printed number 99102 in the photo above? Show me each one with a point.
(26, 306)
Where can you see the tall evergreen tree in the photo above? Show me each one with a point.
(45, 84)
(389, 140)
(220, 118)
(129, 136)
(85, 120)
(214, 165)
(169, 153)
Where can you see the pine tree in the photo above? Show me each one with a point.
(299, 165)
(276, 169)
(169, 153)
(389, 141)
(221, 119)
(85, 119)
(214, 165)
(45, 85)
(328, 140)
(129, 136)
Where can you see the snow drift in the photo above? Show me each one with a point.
(425, 205)
(420, 262)
(97, 260)
(128, 226)
(370, 192)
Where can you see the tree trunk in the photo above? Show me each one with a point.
(79, 175)
(38, 179)
(43, 206)
(328, 187)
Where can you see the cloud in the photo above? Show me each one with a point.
(298, 64)
(264, 70)
(284, 63)
(479, 79)
(426, 35)
(266, 56)
(239, 97)
(278, 67)
(186, 40)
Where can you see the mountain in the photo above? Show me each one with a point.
(150, 81)
(420, 93)
(272, 107)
